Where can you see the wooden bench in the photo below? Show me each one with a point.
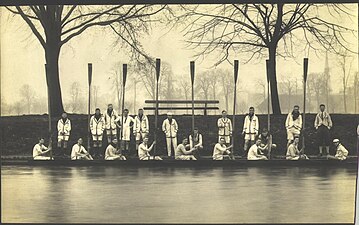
(203, 105)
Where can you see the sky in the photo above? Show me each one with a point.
(22, 60)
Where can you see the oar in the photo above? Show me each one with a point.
(268, 108)
(236, 64)
(49, 111)
(304, 96)
(124, 77)
(192, 68)
(89, 73)
(158, 68)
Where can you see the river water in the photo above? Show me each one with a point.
(165, 195)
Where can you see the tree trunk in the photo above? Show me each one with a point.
(344, 95)
(273, 81)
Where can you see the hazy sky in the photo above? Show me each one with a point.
(22, 59)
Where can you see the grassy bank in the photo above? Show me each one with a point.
(19, 133)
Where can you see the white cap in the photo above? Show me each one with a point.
(169, 114)
(335, 140)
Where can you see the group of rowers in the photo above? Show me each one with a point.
(256, 146)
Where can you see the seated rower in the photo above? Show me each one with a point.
(266, 143)
(341, 151)
(255, 151)
(112, 153)
(40, 151)
(220, 149)
(196, 142)
(144, 150)
(182, 154)
(79, 151)
(293, 153)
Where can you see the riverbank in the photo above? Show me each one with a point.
(19, 133)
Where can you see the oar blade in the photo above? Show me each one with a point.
(236, 65)
(158, 69)
(124, 71)
(89, 72)
(305, 69)
(191, 65)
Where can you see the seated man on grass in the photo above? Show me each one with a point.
(182, 154)
(40, 151)
(221, 151)
(79, 152)
(112, 153)
(144, 150)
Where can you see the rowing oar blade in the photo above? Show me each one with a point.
(158, 68)
(268, 70)
(236, 63)
(191, 65)
(89, 73)
(305, 69)
(124, 70)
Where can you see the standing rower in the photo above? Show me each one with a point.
(144, 150)
(293, 124)
(322, 124)
(141, 127)
(97, 126)
(112, 153)
(250, 129)
(126, 132)
(63, 133)
(221, 151)
(79, 151)
(40, 151)
(182, 154)
(224, 128)
(293, 152)
(111, 119)
(170, 128)
(341, 152)
(255, 151)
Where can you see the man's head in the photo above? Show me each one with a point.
(296, 108)
(110, 106)
(97, 111)
(296, 139)
(64, 115)
(125, 112)
(336, 142)
(140, 111)
(224, 113)
(264, 132)
(251, 110)
(169, 115)
(114, 141)
(80, 141)
(195, 131)
(222, 141)
(41, 140)
(184, 141)
(258, 142)
(145, 140)
(322, 107)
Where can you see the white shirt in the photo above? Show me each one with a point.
(64, 127)
(219, 150)
(253, 152)
(143, 151)
(224, 126)
(38, 149)
(251, 126)
(141, 125)
(170, 128)
(77, 150)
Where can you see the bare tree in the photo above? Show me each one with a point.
(18, 107)
(343, 63)
(356, 91)
(56, 25)
(316, 84)
(95, 90)
(75, 94)
(203, 84)
(227, 86)
(213, 81)
(288, 86)
(257, 30)
(28, 95)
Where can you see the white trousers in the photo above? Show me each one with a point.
(174, 144)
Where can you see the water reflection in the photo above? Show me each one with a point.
(242, 195)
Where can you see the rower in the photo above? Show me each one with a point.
(322, 124)
(196, 142)
(221, 151)
(79, 151)
(140, 127)
(144, 150)
(112, 153)
(293, 153)
(126, 131)
(293, 124)
(224, 128)
(170, 128)
(63, 133)
(40, 151)
(111, 123)
(255, 152)
(341, 151)
(266, 140)
(250, 129)
(97, 126)
(182, 154)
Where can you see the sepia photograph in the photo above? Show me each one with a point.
(179, 112)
